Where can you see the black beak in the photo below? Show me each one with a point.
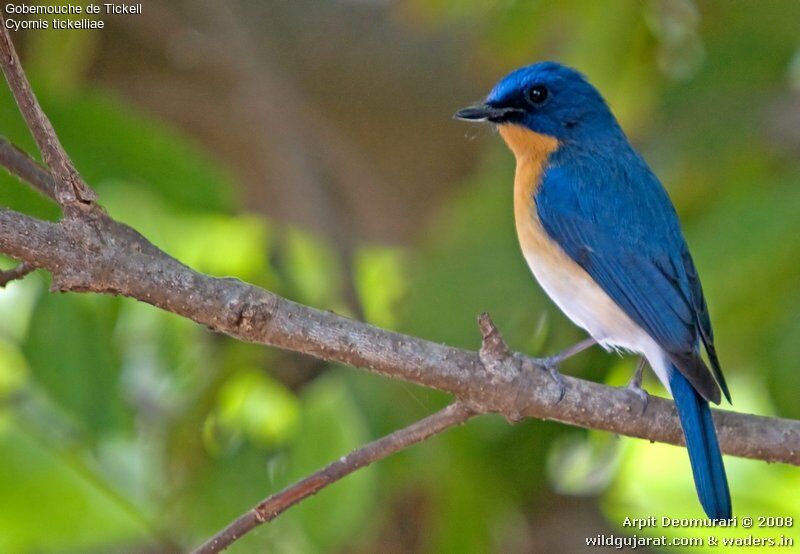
(485, 112)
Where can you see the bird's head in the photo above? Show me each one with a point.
(547, 98)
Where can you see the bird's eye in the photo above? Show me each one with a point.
(537, 94)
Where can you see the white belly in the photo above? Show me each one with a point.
(585, 303)
(589, 307)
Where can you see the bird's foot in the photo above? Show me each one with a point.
(552, 363)
(635, 386)
(642, 394)
(551, 366)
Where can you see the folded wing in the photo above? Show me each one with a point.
(621, 228)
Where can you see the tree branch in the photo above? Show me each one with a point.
(98, 254)
(26, 169)
(15, 273)
(270, 508)
(70, 189)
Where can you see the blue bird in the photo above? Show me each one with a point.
(603, 240)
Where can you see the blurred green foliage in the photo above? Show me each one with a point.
(157, 432)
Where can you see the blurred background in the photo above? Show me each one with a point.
(308, 147)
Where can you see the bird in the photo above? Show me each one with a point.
(603, 239)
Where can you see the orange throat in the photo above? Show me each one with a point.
(531, 151)
(527, 144)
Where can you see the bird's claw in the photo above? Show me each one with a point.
(641, 393)
(551, 365)
(635, 386)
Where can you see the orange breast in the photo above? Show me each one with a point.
(531, 151)
(568, 284)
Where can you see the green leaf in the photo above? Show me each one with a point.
(17, 300)
(48, 503)
(206, 240)
(382, 283)
(314, 272)
(73, 359)
(13, 371)
(253, 404)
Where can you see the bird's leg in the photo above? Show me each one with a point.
(635, 384)
(551, 363)
(577, 348)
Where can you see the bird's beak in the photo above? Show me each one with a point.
(485, 112)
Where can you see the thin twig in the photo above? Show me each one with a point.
(26, 169)
(70, 189)
(454, 414)
(15, 273)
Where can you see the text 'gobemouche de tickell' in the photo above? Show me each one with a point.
(74, 9)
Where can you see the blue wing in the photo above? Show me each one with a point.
(613, 218)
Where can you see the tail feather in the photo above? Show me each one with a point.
(701, 442)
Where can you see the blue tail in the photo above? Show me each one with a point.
(701, 442)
